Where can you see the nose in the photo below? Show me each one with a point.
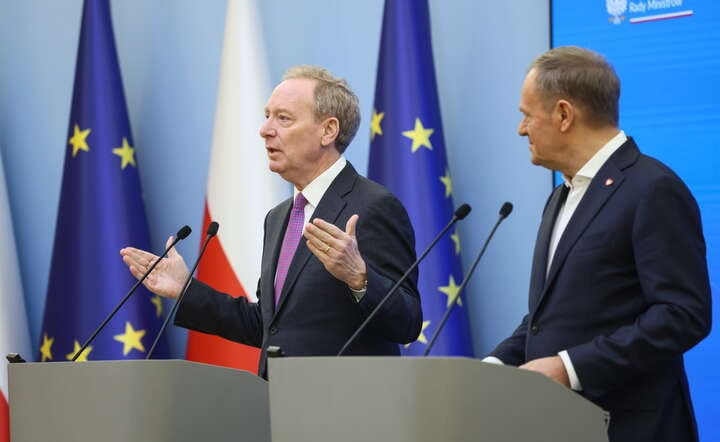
(266, 129)
(522, 129)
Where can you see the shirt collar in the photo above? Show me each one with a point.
(591, 168)
(314, 191)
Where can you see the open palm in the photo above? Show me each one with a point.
(167, 278)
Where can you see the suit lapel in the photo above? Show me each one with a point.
(328, 209)
(608, 179)
(594, 199)
(276, 226)
(537, 278)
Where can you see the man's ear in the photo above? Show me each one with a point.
(565, 114)
(329, 131)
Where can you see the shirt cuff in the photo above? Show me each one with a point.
(358, 294)
(492, 360)
(572, 375)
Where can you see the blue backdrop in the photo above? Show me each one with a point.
(667, 55)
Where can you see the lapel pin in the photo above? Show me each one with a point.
(609, 182)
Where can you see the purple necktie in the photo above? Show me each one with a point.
(293, 233)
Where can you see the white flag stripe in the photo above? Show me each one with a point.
(241, 189)
(14, 333)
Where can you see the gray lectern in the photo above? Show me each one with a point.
(154, 401)
(390, 399)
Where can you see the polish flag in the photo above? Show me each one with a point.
(241, 188)
(14, 334)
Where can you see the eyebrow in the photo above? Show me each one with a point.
(278, 110)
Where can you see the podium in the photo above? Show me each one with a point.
(121, 401)
(319, 399)
(391, 399)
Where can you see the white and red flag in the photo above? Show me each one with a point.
(14, 332)
(241, 188)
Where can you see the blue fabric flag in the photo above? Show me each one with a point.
(101, 210)
(407, 155)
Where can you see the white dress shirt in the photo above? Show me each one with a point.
(314, 191)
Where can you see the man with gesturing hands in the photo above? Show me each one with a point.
(358, 241)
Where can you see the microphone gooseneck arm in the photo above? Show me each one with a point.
(211, 232)
(504, 212)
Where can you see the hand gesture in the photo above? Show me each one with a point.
(167, 278)
(338, 250)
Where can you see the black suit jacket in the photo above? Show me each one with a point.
(317, 313)
(627, 294)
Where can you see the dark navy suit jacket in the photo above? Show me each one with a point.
(627, 294)
(317, 312)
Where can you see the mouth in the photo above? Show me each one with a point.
(271, 150)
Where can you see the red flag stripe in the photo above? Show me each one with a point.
(215, 270)
(4, 419)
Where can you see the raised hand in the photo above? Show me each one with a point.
(338, 250)
(167, 278)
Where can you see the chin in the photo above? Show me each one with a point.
(275, 166)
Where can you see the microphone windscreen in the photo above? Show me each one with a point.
(183, 232)
(462, 211)
(213, 229)
(506, 209)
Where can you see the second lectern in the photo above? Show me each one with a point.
(386, 399)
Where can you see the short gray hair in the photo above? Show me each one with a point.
(581, 76)
(333, 98)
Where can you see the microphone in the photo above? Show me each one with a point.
(505, 210)
(211, 232)
(179, 236)
(459, 214)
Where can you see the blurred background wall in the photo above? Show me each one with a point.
(170, 56)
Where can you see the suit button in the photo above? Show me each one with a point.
(534, 329)
(273, 330)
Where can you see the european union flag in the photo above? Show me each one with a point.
(101, 211)
(407, 155)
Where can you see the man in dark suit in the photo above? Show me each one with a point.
(314, 291)
(619, 286)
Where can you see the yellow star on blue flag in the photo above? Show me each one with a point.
(78, 141)
(83, 357)
(375, 124)
(126, 154)
(131, 339)
(46, 348)
(421, 337)
(420, 136)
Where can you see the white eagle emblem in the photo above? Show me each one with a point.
(616, 8)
